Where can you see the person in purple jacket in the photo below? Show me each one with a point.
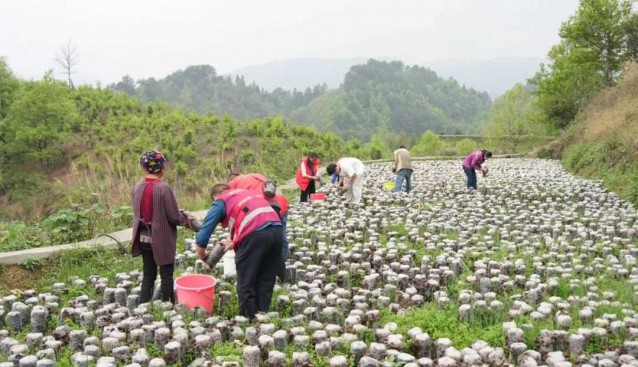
(474, 162)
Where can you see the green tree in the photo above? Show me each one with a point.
(9, 86)
(126, 85)
(514, 116)
(631, 31)
(466, 146)
(593, 47)
(38, 122)
(226, 137)
(376, 148)
(429, 144)
(598, 26)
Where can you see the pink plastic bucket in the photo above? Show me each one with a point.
(317, 197)
(196, 290)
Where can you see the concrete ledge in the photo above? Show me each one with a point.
(19, 257)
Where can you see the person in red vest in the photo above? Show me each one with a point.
(252, 181)
(256, 237)
(307, 174)
(256, 182)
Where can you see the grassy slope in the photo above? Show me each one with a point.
(602, 143)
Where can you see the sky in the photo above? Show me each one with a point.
(152, 38)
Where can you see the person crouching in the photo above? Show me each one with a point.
(256, 237)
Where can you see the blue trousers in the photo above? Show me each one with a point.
(471, 177)
(403, 174)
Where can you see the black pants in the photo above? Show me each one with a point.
(309, 190)
(258, 259)
(150, 274)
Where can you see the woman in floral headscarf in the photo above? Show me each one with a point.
(156, 216)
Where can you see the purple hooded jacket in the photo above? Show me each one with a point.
(474, 160)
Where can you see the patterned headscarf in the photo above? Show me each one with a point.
(153, 161)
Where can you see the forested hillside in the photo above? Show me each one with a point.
(589, 90)
(393, 97)
(602, 141)
(200, 89)
(81, 146)
(376, 96)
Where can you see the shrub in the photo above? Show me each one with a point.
(466, 146)
(579, 156)
(429, 144)
(17, 236)
(632, 183)
(32, 264)
(68, 225)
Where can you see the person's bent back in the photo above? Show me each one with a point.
(472, 163)
(255, 182)
(256, 237)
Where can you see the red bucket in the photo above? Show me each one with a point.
(317, 197)
(196, 290)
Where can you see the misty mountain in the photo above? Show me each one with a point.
(298, 73)
(382, 96)
(495, 76)
(372, 96)
(200, 88)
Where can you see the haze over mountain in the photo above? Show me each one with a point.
(495, 76)
(299, 73)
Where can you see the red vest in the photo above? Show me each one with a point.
(311, 170)
(246, 211)
(283, 203)
(254, 182)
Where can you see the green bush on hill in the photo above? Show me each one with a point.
(601, 142)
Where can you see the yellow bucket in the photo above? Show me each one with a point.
(388, 186)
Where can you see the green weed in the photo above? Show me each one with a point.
(32, 264)
(444, 323)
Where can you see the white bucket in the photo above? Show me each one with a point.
(229, 264)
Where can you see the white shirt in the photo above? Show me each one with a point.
(350, 167)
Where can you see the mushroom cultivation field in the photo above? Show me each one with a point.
(536, 268)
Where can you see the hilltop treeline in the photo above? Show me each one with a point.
(199, 88)
(375, 96)
(399, 98)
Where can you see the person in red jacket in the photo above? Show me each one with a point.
(307, 174)
(255, 235)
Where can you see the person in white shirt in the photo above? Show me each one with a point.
(352, 170)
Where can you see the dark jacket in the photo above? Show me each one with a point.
(166, 218)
